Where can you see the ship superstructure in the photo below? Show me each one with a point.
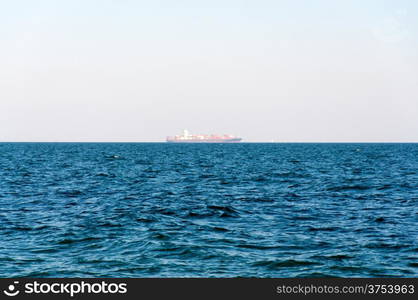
(186, 137)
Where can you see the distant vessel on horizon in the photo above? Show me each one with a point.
(186, 137)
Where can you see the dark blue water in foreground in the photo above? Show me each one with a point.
(208, 210)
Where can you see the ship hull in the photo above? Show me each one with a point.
(237, 140)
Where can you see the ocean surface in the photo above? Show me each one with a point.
(208, 210)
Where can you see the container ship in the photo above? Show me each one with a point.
(186, 137)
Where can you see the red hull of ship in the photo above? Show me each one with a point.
(204, 140)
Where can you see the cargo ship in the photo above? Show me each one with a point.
(186, 137)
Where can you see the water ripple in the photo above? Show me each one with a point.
(241, 210)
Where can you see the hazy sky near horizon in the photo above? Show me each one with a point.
(326, 71)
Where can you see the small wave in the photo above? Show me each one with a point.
(192, 214)
(205, 176)
(113, 157)
(316, 275)
(351, 269)
(228, 215)
(73, 241)
(348, 188)
(384, 187)
(386, 246)
(22, 228)
(151, 170)
(143, 162)
(257, 199)
(284, 174)
(31, 260)
(110, 224)
(284, 263)
(293, 195)
(41, 227)
(72, 203)
(39, 274)
(340, 257)
(220, 229)
(322, 228)
(336, 257)
(6, 259)
(70, 193)
(160, 236)
(131, 270)
(145, 220)
(224, 182)
(260, 179)
(167, 249)
(166, 212)
(45, 250)
(256, 247)
(302, 217)
(102, 174)
(227, 209)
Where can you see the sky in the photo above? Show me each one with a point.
(266, 70)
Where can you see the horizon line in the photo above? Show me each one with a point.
(246, 142)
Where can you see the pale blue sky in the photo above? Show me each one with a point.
(265, 70)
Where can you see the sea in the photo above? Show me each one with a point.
(208, 210)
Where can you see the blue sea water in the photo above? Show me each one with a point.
(208, 210)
